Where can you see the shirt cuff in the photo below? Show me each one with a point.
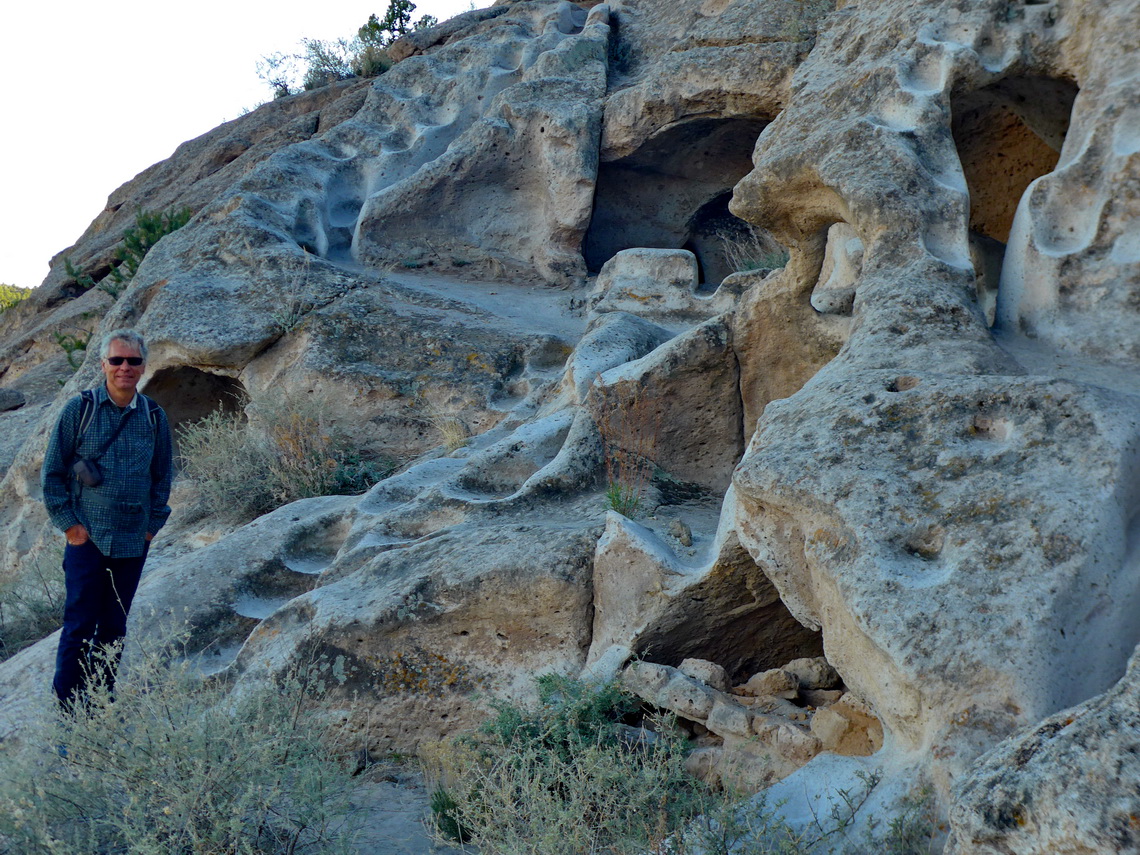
(65, 520)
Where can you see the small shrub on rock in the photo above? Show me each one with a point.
(150, 227)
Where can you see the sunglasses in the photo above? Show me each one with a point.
(119, 360)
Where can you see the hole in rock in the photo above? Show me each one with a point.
(1007, 135)
(673, 193)
(903, 383)
(733, 617)
(187, 394)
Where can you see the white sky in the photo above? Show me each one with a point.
(95, 92)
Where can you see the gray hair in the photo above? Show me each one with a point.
(126, 336)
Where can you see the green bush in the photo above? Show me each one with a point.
(150, 227)
(10, 295)
(287, 448)
(74, 345)
(326, 62)
(178, 765)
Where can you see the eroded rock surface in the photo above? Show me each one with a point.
(887, 489)
(1069, 784)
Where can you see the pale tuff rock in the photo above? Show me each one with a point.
(442, 622)
(612, 339)
(657, 284)
(936, 481)
(670, 689)
(848, 727)
(1074, 244)
(773, 683)
(1069, 784)
(722, 610)
(814, 673)
(834, 293)
(729, 718)
(756, 735)
(537, 141)
(682, 399)
(709, 673)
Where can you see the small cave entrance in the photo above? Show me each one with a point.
(724, 244)
(735, 618)
(1007, 136)
(673, 193)
(187, 394)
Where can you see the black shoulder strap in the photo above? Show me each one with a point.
(114, 435)
(151, 406)
(86, 412)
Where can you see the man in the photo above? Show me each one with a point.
(108, 517)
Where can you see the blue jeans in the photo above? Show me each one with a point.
(99, 595)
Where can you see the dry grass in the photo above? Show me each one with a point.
(748, 249)
(451, 428)
(287, 448)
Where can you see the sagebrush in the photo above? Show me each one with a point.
(278, 450)
(31, 602)
(564, 776)
(177, 764)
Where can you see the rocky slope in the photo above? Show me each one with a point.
(912, 450)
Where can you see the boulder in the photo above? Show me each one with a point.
(669, 689)
(813, 673)
(712, 675)
(11, 399)
(773, 683)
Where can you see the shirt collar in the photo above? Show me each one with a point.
(101, 395)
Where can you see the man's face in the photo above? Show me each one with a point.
(122, 379)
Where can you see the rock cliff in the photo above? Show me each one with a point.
(907, 450)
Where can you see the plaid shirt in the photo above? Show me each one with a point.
(137, 469)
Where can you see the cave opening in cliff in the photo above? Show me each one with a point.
(187, 394)
(1007, 136)
(673, 193)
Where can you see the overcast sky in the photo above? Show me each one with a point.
(94, 93)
